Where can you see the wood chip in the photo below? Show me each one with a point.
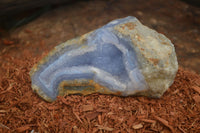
(104, 128)
(196, 88)
(24, 128)
(148, 120)
(76, 129)
(3, 111)
(87, 107)
(152, 110)
(77, 117)
(4, 126)
(196, 98)
(92, 116)
(99, 119)
(181, 129)
(141, 116)
(164, 122)
(137, 126)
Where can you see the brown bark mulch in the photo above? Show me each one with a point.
(21, 110)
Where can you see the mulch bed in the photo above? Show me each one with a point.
(21, 110)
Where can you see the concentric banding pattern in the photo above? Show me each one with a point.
(105, 58)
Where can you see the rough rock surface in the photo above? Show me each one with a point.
(122, 58)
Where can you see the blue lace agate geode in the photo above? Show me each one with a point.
(102, 61)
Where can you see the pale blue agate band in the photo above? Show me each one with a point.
(104, 57)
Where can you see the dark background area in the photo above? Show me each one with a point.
(32, 22)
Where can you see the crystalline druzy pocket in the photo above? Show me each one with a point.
(121, 58)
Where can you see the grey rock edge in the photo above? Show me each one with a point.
(122, 58)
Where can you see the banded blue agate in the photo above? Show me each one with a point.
(102, 61)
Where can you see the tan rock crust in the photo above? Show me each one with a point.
(156, 55)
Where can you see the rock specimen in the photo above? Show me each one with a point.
(122, 58)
